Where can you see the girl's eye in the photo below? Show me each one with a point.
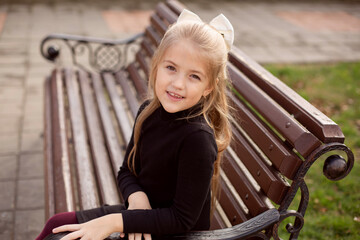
(171, 68)
(195, 76)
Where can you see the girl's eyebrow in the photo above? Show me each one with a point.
(191, 70)
(169, 61)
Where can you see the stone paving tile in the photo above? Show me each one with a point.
(2, 20)
(39, 70)
(11, 60)
(14, 28)
(6, 225)
(12, 95)
(97, 26)
(31, 142)
(33, 123)
(31, 166)
(28, 223)
(9, 143)
(337, 21)
(11, 81)
(15, 72)
(30, 193)
(7, 195)
(9, 125)
(127, 21)
(8, 167)
(13, 47)
(9, 108)
(259, 53)
(33, 109)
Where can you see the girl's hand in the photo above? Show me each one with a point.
(96, 229)
(139, 200)
(138, 236)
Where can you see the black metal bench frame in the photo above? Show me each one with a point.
(305, 136)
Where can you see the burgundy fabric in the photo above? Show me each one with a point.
(56, 221)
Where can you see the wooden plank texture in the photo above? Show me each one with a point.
(281, 155)
(88, 194)
(300, 138)
(313, 119)
(102, 163)
(118, 106)
(64, 197)
(110, 130)
(48, 151)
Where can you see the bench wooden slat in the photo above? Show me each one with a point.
(111, 138)
(300, 138)
(88, 195)
(154, 37)
(158, 24)
(128, 93)
(251, 197)
(103, 167)
(175, 6)
(230, 206)
(267, 178)
(314, 120)
(166, 13)
(216, 222)
(278, 153)
(64, 199)
(139, 82)
(118, 106)
(48, 150)
(143, 62)
(146, 45)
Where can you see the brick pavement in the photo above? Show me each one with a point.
(267, 31)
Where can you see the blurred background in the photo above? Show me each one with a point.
(313, 46)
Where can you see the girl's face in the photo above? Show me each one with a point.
(181, 78)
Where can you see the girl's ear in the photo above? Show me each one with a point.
(210, 89)
(207, 92)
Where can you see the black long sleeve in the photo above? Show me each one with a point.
(174, 166)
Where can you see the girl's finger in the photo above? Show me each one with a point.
(131, 236)
(147, 236)
(66, 228)
(73, 236)
(138, 236)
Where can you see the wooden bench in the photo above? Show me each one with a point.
(89, 115)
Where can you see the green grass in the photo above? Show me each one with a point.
(334, 207)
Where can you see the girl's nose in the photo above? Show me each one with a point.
(179, 81)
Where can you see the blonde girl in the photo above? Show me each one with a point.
(170, 175)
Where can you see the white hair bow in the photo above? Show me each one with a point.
(220, 23)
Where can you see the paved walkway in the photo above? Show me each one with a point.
(269, 31)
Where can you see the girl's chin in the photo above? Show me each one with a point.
(171, 109)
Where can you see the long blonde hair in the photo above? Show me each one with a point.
(214, 106)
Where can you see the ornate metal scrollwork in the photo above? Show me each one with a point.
(335, 168)
(299, 178)
(340, 167)
(102, 55)
(293, 229)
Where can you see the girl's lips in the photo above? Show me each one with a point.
(174, 96)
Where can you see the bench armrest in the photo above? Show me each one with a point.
(104, 55)
(241, 231)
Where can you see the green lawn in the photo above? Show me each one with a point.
(334, 207)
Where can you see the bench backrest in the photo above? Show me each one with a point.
(274, 131)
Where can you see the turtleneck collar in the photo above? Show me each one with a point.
(179, 115)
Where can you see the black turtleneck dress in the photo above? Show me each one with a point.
(174, 166)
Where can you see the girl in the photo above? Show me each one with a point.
(172, 163)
